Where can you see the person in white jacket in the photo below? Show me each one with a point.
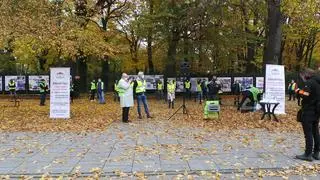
(125, 90)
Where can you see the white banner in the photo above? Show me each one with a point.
(35, 80)
(275, 86)
(20, 82)
(60, 93)
(260, 82)
(0, 83)
(225, 83)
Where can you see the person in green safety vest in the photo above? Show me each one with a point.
(43, 91)
(140, 89)
(199, 91)
(253, 94)
(160, 89)
(291, 90)
(171, 89)
(12, 87)
(93, 90)
(187, 86)
(115, 91)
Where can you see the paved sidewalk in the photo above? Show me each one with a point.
(148, 146)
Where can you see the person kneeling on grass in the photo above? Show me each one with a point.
(253, 94)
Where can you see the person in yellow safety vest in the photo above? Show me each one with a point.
(12, 87)
(187, 86)
(115, 91)
(171, 89)
(124, 88)
(199, 91)
(160, 89)
(43, 91)
(93, 90)
(291, 90)
(140, 89)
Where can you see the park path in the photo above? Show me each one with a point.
(149, 146)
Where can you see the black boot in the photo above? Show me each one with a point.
(316, 155)
(169, 104)
(172, 104)
(305, 157)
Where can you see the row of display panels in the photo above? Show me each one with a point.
(151, 80)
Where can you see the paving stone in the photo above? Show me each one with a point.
(11, 162)
(149, 166)
(86, 167)
(5, 171)
(202, 165)
(113, 168)
(32, 168)
(175, 167)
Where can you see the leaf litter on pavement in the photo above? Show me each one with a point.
(91, 117)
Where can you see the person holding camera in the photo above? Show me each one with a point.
(125, 92)
(309, 114)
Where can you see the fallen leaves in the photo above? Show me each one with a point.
(90, 116)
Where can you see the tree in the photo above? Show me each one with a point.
(274, 33)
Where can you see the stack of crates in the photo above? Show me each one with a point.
(211, 109)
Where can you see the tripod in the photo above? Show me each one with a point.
(183, 106)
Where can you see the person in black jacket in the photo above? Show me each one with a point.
(213, 89)
(310, 114)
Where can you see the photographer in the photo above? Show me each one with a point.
(126, 96)
(309, 114)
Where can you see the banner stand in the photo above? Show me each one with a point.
(60, 93)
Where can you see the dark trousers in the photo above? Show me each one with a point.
(246, 94)
(188, 93)
(92, 94)
(125, 114)
(299, 100)
(292, 95)
(42, 98)
(310, 125)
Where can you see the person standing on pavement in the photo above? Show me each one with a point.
(140, 89)
(93, 90)
(126, 96)
(309, 114)
(43, 91)
(100, 91)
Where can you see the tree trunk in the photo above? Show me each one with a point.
(274, 33)
(105, 63)
(171, 59)
(82, 73)
(150, 63)
(105, 72)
